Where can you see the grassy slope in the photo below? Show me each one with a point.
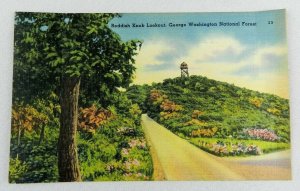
(229, 108)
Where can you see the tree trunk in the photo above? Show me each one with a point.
(42, 134)
(68, 166)
(19, 139)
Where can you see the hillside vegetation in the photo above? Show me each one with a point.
(111, 143)
(217, 116)
(70, 122)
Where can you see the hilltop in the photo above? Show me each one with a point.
(198, 107)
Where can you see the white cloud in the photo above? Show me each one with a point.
(150, 52)
(222, 58)
(261, 55)
(150, 55)
(262, 68)
(214, 48)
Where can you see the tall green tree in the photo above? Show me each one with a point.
(55, 52)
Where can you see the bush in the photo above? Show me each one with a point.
(40, 163)
(17, 169)
(116, 151)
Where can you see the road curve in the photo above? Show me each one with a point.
(176, 159)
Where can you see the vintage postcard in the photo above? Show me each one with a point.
(145, 97)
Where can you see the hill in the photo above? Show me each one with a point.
(217, 116)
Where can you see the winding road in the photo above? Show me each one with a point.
(176, 159)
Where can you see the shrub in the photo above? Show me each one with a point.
(17, 169)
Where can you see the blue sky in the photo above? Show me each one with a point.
(254, 57)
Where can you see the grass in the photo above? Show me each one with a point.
(265, 146)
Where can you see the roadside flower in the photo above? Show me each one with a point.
(135, 162)
(131, 163)
(264, 134)
(125, 151)
(141, 144)
(221, 148)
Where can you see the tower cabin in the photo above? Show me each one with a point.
(184, 70)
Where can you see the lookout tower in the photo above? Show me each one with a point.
(184, 70)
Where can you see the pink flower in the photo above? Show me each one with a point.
(127, 165)
(125, 151)
(135, 162)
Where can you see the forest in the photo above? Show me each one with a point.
(76, 114)
(218, 117)
(70, 121)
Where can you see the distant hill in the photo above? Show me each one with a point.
(198, 106)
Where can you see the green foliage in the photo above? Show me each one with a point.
(17, 170)
(138, 94)
(100, 152)
(215, 109)
(117, 151)
(135, 112)
(50, 48)
(33, 154)
(211, 104)
(40, 160)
